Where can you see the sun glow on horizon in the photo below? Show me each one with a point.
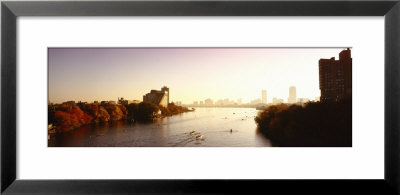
(192, 74)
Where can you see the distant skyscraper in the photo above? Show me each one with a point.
(208, 102)
(264, 96)
(292, 95)
(277, 101)
(256, 101)
(335, 77)
(226, 101)
(303, 100)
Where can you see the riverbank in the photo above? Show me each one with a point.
(214, 124)
(327, 124)
(70, 115)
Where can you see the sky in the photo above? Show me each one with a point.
(192, 74)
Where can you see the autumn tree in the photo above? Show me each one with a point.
(70, 116)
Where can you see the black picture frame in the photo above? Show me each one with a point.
(11, 10)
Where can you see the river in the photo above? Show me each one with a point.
(218, 127)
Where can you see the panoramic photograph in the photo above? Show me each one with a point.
(199, 97)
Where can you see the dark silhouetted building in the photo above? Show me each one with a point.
(158, 97)
(335, 78)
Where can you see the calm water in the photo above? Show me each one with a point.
(214, 124)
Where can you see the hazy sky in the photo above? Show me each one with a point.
(192, 74)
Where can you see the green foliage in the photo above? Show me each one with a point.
(141, 112)
(165, 111)
(146, 111)
(131, 110)
(173, 109)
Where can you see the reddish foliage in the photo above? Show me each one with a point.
(99, 113)
(71, 116)
(115, 111)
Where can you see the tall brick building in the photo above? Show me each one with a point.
(335, 77)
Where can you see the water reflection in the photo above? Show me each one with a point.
(216, 126)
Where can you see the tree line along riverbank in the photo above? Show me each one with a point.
(68, 116)
(316, 124)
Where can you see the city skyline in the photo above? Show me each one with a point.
(192, 74)
(291, 99)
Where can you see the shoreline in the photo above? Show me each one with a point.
(170, 131)
(70, 115)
